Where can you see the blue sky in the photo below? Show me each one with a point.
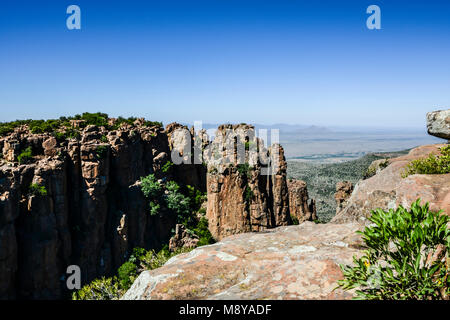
(284, 61)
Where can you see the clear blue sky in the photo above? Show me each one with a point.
(290, 61)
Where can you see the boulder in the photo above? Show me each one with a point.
(438, 123)
(293, 262)
(388, 189)
(182, 239)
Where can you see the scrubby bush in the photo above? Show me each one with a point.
(37, 190)
(167, 166)
(25, 156)
(397, 263)
(294, 220)
(99, 289)
(126, 274)
(203, 233)
(151, 187)
(439, 164)
(244, 170)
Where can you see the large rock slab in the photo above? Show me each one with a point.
(388, 189)
(293, 262)
(438, 123)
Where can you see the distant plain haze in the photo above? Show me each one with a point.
(284, 61)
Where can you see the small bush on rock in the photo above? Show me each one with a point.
(397, 264)
(99, 289)
(432, 165)
(25, 156)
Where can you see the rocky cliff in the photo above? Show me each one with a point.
(77, 201)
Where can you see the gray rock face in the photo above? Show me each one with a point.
(438, 123)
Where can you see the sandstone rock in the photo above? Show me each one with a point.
(388, 189)
(244, 193)
(300, 205)
(49, 146)
(294, 262)
(438, 123)
(182, 239)
(344, 190)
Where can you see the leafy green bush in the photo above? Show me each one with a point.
(37, 190)
(294, 220)
(25, 156)
(196, 197)
(244, 170)
(126, 274)
(432, 165)
(99, 289)
(396, 264)
(167, 166)
(151, 187)
(202, 231)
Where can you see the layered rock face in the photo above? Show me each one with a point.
(91, 214)
(387, 189)
(246, 183)
(301, 207)
(293, 262)
(438, 123)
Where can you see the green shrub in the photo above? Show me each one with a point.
(196, 197)
(432, 165)
(126, 274)
(151, 187)
(294, 220)
(202, 231)
(99, 289)
(244, 170)
(167, 166)
(25, 156)
(396, 264)
(104, 139)
(37, 190)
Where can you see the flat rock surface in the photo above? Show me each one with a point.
(293, 262)
(388, 189)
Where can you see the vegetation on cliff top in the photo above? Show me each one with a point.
(433, 164)
(64, 123)
(398, 263)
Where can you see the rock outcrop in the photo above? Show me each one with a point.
(79, 201)
(438, 123)
(387, 189)
(344, 190)
(294, 262)
(90, 211)
(301, 207)
(243, 195)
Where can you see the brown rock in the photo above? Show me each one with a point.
(294, 262)
(344, 190)
(49, 146)
(182, 239)
(388, 189)
(300, 205)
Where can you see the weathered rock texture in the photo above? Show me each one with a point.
(387, 189)
(438, 123)
(294, 262)
(344, 190)
(301, 207)
(241, 198)
(94, 213)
